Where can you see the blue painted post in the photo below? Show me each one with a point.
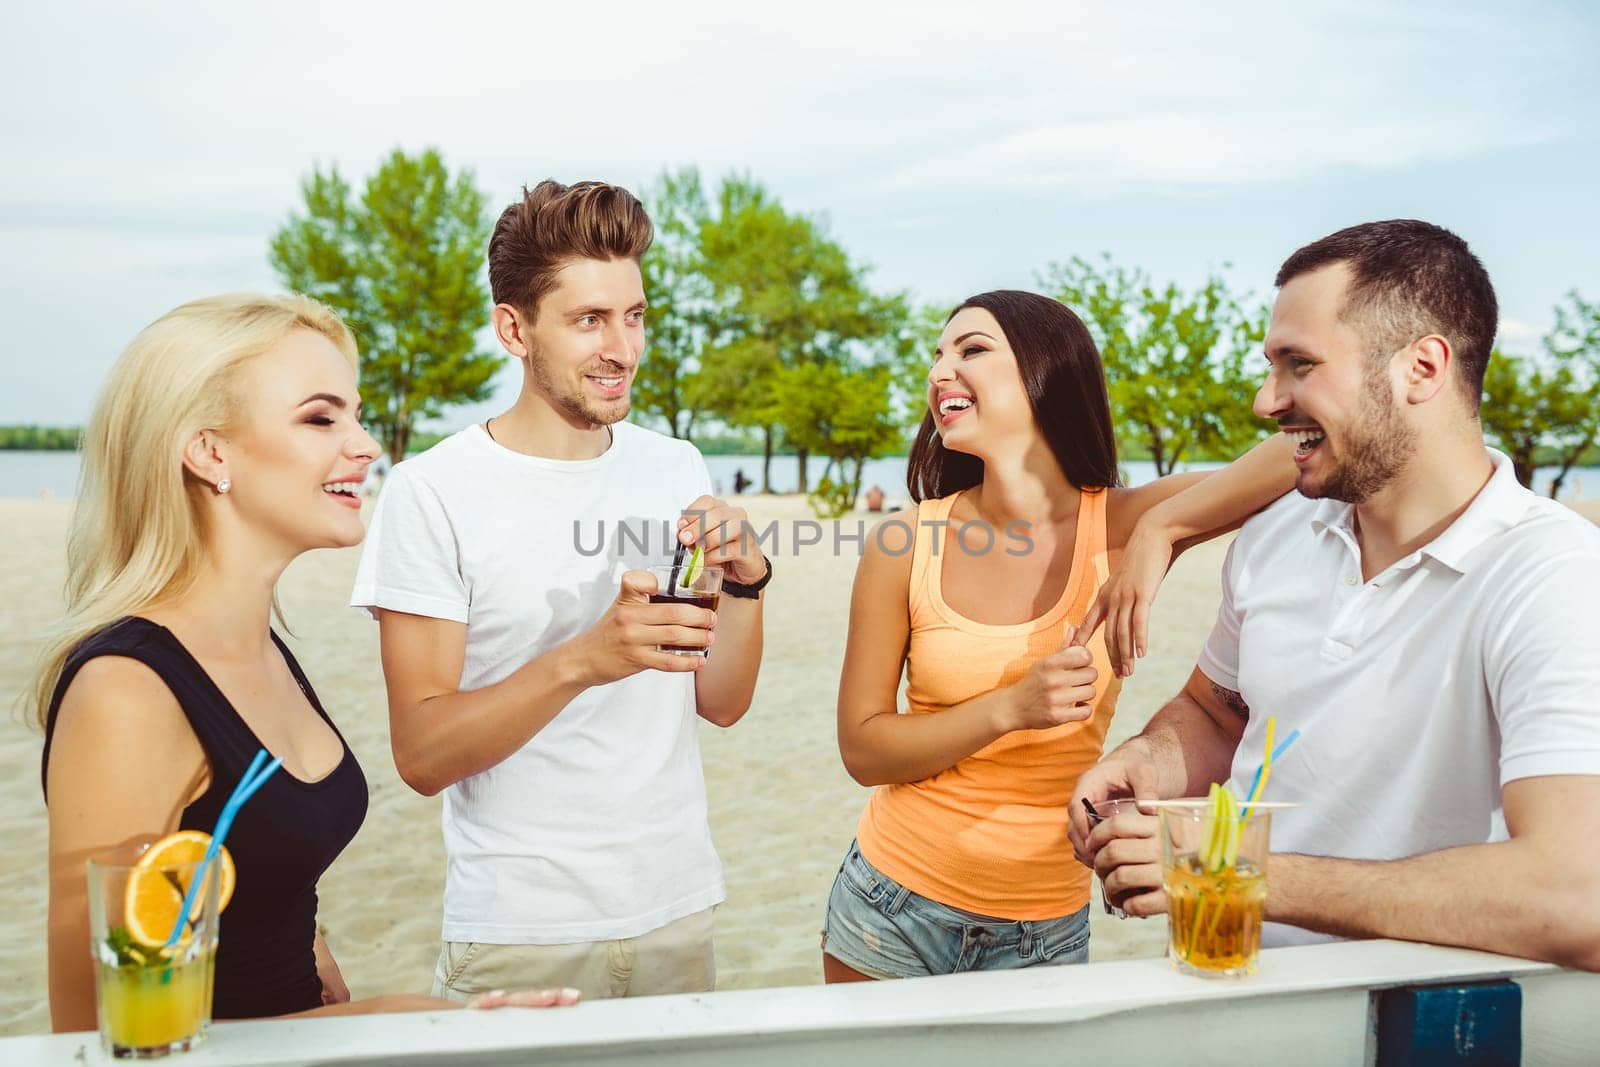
(1460, 1024)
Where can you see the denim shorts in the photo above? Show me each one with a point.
(884, 930)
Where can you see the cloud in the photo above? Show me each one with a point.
(1516, 333)
(153, 149)
(1103, 158)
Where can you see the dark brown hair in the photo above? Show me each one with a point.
(553, 224)
(1409, 279)
(1066, 386)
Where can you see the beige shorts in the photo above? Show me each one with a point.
(676, 958)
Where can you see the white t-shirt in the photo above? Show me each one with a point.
(1418, 695)
(596, 828)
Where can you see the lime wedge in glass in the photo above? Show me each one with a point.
(692, 569)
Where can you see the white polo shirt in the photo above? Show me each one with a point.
(1468, 664)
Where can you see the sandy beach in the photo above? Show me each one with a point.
(782, 807)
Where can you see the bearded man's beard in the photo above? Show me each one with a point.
(1373, 451)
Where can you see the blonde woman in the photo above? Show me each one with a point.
(225, 444)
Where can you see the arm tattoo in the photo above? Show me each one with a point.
(1232, 701)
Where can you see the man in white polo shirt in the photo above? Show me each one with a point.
(1426, 623)
(520, 649)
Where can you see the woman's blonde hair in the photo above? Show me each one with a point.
(137, 533)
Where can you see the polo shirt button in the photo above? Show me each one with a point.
(1350, 579)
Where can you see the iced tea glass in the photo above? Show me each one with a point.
(1213, 915)
(151, 1001)
(703, 592)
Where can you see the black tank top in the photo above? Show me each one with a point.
(281, 841)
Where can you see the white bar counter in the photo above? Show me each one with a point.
(1307, 1006)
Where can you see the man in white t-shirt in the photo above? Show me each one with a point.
(1426, 623)
(520, 648)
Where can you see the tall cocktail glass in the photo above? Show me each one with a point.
(151, 1000)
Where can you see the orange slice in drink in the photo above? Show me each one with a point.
(154, 894)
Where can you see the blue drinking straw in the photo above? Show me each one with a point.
(1277, 754)
(248, 784)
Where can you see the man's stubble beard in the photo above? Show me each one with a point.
(573, 404)
(1376, 449)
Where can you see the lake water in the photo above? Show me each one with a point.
(25, 475)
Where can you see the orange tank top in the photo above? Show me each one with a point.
(989, 835)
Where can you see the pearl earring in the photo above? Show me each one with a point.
(224, 485)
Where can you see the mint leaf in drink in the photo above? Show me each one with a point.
(128, 951)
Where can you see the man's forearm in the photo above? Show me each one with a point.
(724, 687)
(456, 735)
(1185, 746)
(1497, 897)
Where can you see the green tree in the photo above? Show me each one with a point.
(1522, 403)
(910, 358)
(403, 265)
(1175, 360)
(683, 316)
(737, 385)
(789, 296)
(39, 438)
(853, 418)
(1544, 410)
(1574, 344)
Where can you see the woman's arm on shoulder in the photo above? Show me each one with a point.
(123, 764)
(1147, 525)
(1195, 507)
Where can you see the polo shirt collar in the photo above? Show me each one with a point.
(1499, 505)
(1330, 514)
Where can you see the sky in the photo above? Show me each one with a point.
(152, 149)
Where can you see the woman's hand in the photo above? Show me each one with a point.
(1124, 601)
(524, 998)
(1060, 688)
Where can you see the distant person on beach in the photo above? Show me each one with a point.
(524, 676)
(375, 476)
(740, 482)
(1425, 622)
(961, 860)
(224, 445)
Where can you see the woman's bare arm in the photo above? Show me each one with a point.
(1147, 526)
(123, 765)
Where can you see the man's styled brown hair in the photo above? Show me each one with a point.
(1409, 279)
(553, 224)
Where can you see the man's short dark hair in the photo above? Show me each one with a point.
(1408, 279)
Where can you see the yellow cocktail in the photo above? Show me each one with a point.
(1214, 870)
(154, 1007)
(1215, 917)
(154, 998)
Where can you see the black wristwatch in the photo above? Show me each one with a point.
(751, 591)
